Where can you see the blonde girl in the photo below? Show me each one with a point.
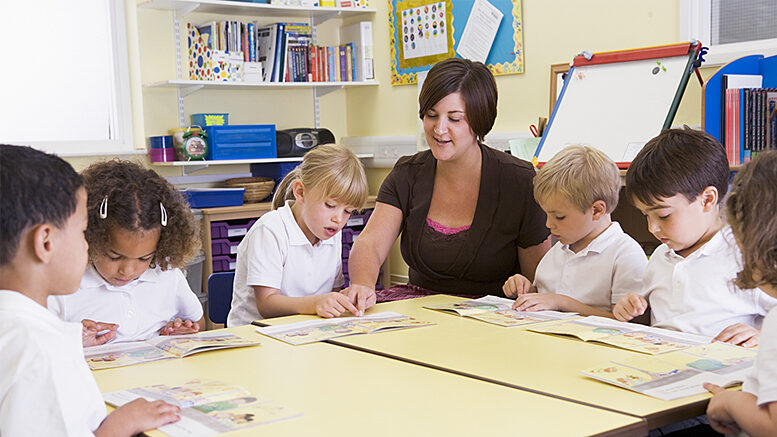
(290, 262)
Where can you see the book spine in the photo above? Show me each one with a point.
(343, 63)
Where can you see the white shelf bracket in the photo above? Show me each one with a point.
(187, 90)
(188, 170)
(185, 10)
(321, 91)
(322, 18)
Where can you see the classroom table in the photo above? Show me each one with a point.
(514, 357)
(346, 392)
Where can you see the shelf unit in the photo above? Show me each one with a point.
(316, 15)
(193, 166)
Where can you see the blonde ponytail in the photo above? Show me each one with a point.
(285, 190)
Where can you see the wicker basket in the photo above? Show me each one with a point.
(257, 189)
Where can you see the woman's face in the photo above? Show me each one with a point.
(447, 131)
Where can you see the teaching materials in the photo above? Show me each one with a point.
(631, 336)
(160, 348)
(617, 101)
(499, 311)
(319, 330)
(678, 374)
(208, 408)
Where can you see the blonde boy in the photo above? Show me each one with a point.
(45, 386)
(594, 263)
(678, 181)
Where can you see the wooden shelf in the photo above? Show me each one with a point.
(184, 7)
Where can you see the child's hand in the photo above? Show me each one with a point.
(719, 418)
(333, 304)
(538, 302)
(97, 333)
(740, 334)
(516, 285)
(178, 326)
(630, 306)
(138, 416)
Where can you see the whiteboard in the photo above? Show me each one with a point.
(615, 107)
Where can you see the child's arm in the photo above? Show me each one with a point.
(730, 411)
(629, 307)
(556, 302)
(271, 303)
(138, 416)
(740, 334)
(517, 285)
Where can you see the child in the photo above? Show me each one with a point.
(678, 181)
(594, 263)
(290, 262)
(46, 387)
(752, 213)
(141, 232)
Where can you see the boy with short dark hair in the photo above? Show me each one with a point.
(46, 387)
(678, 180)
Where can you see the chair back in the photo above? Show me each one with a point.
(220, 296)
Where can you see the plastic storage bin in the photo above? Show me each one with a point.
(219, 230)
(222, 246)
(224, 263)
(253, 141)
(213, 197)
(275, 170)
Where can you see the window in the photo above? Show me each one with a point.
(65, 81)
(731, 28)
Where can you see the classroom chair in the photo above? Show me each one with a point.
(220, 296)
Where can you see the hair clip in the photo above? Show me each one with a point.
(104, 208)
(164, 214)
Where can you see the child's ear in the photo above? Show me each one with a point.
(298, 188)
(600, 209)
(709, 198)
(42, 241)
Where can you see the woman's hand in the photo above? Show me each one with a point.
(362, 296)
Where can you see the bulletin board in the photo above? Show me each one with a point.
(436, 27)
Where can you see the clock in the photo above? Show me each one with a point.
(195, 145)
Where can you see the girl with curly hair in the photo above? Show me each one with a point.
(140, 234)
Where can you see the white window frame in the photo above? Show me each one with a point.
(694, 21)
(121, 122)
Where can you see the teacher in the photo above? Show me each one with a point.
(466, 211)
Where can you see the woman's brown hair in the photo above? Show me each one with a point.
(130, 197)
(475, 83)
(751, 210)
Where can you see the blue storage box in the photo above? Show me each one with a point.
(251, 141)
(275, 170)
(210, 119)
(213, 197)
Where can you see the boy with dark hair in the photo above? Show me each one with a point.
(46, 387)
(678, 181)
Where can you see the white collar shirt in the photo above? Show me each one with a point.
(762, 382)
(275, 253)
(611, 266)
(140, 308)
(46, 387)
(696, 294)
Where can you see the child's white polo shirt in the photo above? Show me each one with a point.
(46, 387)
(600, 274)
(140, 308)
(762, 382)
(696, 294)
(276, 253)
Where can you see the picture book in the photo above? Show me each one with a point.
(311, 331)
(208, 408)
(678, 374)
(631, 336)
(499, 311)
(160, 348)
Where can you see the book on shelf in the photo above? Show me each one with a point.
(499, 311)
(311, 331)
(160, 348)
(208, 407)
(630, 336)
(680, 373)
(360, 34)
(266, 42)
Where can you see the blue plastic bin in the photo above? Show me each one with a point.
(251, 141)
(275, 170)
(213, 197)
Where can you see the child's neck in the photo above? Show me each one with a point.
(712, 229)
(23, 281)
(600, 226)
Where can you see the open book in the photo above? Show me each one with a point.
(160, 348)
(625, 335)
(678, 374)
(499, 311)
(208, 408)
(311, 331)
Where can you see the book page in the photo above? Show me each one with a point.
(123, 354)
(189, 394)
(510, 318)
(183, 345)
(645, 342)
(389, 321)
(475, 306)
(583, 329)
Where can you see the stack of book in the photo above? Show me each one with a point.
(749, 124)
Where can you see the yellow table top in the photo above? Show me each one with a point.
(514, 357)
(345, 392)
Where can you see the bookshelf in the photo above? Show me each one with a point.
(189, 167)
(315, 15)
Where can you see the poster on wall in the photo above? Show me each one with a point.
(424, 32)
